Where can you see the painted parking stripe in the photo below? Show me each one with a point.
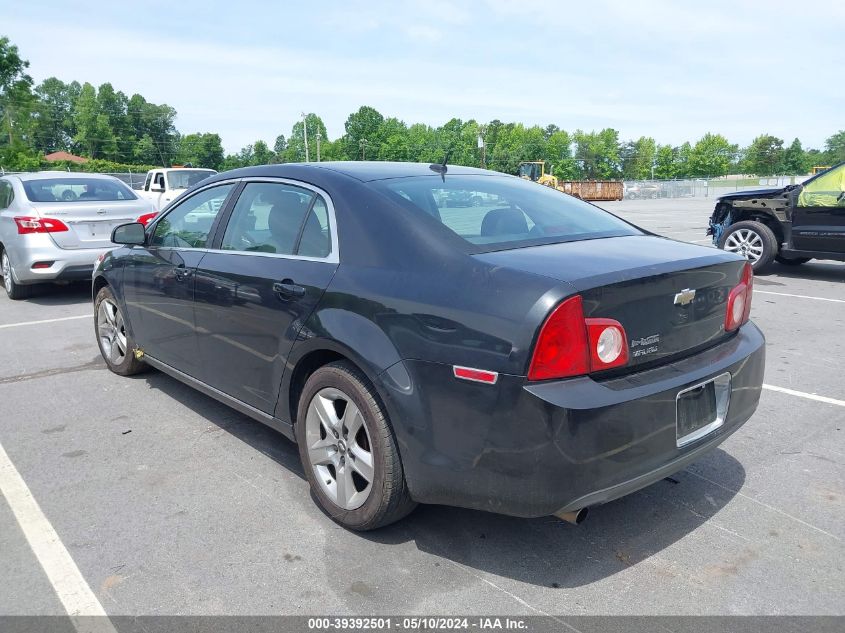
(24, 323)
(75, 594)
(804, 394)
(786, 294)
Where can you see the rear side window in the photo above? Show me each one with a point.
(6, 194)
(279, 218)
(188, 224)
(493, 213)
(79, 189)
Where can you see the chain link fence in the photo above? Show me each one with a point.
(702, 187)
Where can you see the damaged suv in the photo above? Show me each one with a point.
(791, 225)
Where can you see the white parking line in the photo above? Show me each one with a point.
(23, 323)
(804, 394)
(75, 594)
(786, 294)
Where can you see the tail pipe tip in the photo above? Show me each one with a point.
(574, 517)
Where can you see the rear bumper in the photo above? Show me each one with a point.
(67, 264)
(532, 449)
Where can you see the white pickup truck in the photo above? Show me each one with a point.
(163, 185)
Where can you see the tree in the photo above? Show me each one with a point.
(200, 150)
(280, 146)
(16, 102)
(53, 128)
(295, 150)
(795, 159)
(261, 154)
(362, 125)
(598, 154)
(835, 148)
(765, 156)
(711, 156)
(666, 162)
(559, 154)
(637, 158)
(394, 145)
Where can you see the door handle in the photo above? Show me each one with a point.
(288, 289)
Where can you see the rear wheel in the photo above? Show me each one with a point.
(13, 288)
(115, 344)
(787, 261)
(753, 240)
(348, 450)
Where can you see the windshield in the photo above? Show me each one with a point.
(76, 189)
(184, 178)
(494, 213)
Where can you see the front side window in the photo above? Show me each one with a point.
(189, 223)
(77, 189)
(279, 218)
(492, 213)
(826, 190)
(185, 178)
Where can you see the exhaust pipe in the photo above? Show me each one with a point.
(575, 517)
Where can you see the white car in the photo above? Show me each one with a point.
(54, 225)
(162, 186)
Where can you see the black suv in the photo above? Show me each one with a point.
(792, 225)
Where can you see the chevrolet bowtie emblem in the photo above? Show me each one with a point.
(684, 297)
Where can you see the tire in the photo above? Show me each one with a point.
(786, 261)
(15, 290)
(351, 461)
(753, 240)
(116, 346)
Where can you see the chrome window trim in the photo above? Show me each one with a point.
(334, 253)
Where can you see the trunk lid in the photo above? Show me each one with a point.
(646, 284)
(90, 223)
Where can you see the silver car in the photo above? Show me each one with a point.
(54, 225)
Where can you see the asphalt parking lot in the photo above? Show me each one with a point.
(170, 503)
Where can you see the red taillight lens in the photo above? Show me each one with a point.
(147, 218)
(561, 348)
(570, 345)
(739, 301)
(27, 225)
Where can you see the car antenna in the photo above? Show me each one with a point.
(440, 168)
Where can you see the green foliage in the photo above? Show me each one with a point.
(121, 132)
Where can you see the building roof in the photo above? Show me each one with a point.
(55, 156)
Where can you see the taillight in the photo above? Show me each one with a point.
(571, 345)
(561, 348)
(147, 218)
(739, 301)
(27, 225)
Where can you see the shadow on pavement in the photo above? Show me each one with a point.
(815, 270)
(544, 551)
(61, 294)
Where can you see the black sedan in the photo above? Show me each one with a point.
(531, 355)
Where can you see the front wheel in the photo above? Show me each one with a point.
(348, 450)
(115, 344)
(753, 240)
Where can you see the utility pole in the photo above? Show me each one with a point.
(319, 138)
(305, 134)
(482, 145)
(363, 144)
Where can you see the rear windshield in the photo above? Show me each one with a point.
(499, 212)
(184, 178)
(76, 189)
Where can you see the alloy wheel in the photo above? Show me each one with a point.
(747, 243)
(339, 448)
(111, 330)
(7, 271)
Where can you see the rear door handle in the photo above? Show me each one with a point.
(289, 290)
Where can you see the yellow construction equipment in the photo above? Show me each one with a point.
(535, 170)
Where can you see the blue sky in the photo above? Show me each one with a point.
(671, 70)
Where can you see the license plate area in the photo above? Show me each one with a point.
(701, 409)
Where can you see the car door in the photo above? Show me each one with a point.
(269, 266)
(159, 278)
(818, 222)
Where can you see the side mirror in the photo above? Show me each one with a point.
(131, 234)
(157, 188)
